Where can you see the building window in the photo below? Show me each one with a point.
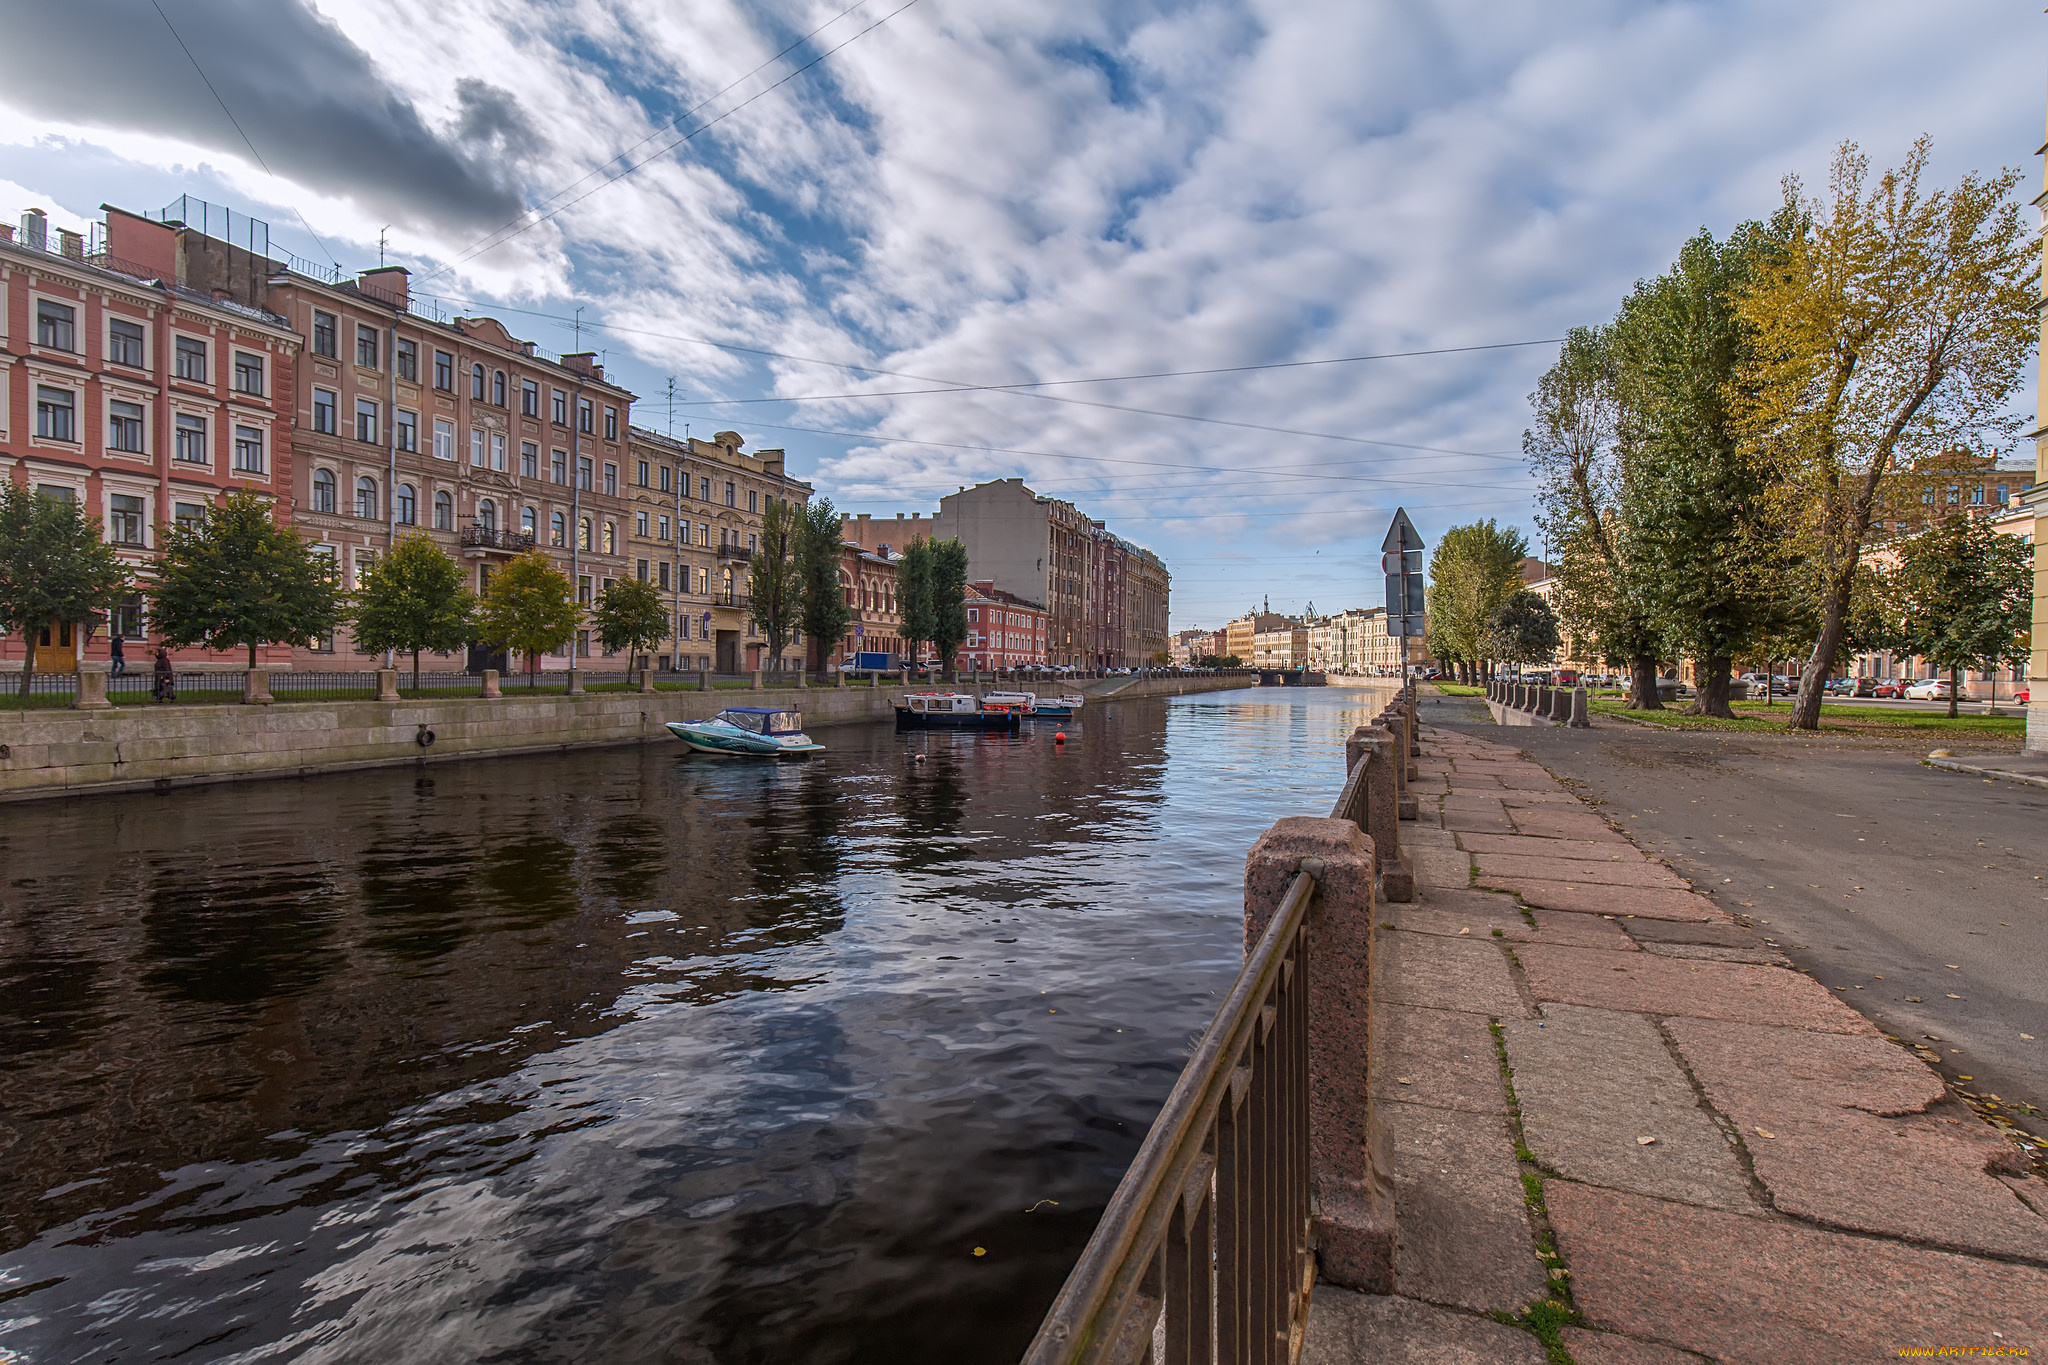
(54, 414)
(56, 325)
(498, 451)
(611, 427)
(407, 360)
(444, 511)
(191, 355)
(558, 530)
(366, 421)
(324, 404)
(498, 387)
(248, 373)
(188, 514)
(664, 528)
(366, 346)
(324, 329)
(444, 440)
(529, 460)
(487, 516)
(584, 408)
(583, 533)
(558, 463)
(703, 534)
(640, 473)
(661, 573)
(124, 344)
(190, 446)
(529, 398)
(408, 505)
(640, 569)
(529, 524)
(248, 450)
(583, 597)
(476, 448)
(125, 620)
(751, 545)
(559, 407)
(611, 479)
(753, 501)
(1955, 496)
(640, 527)
(323, 490)
(2004, 493)
(124, 519)
(476, 383)
(124, 427)
(405, 429)
(583, 471)
(666, 473)
(444, 372)
(731, 499)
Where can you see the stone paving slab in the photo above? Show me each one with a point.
(1440, 867)
(1593, 1083)
(1345, 1328)
(1473, 822)
(1462, 1232)
(1500, 869)
(1578, 850)
(1554, 823)
(1851, 1144)
(1758, 1290)
(1643, 902)
(1706, 952)
(1604, 1348)
(1644, 983)
(1449, 974)
(1443, 1059)
(1716, 934)
(1454, 914)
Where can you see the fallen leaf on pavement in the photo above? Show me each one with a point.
(1765, 1133)
(1644, 1141)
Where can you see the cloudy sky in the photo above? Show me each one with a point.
(927, 222)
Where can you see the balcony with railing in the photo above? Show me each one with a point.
(491, 538)
(735, 550)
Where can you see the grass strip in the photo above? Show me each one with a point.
(1547, 1317)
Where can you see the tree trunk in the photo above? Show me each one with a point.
(415, 670)
(28, 660)
(1833, 627)
(1713, 677)
(1955, 688)
(252, 656)
(1642, 684)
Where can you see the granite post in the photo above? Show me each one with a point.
(575, 682)
(92, 691)
(387, 684)
(490, 684)
(1383, 812)
(256, 688)
(646, 679)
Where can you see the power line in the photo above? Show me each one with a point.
(539, 218)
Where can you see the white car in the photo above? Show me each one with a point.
(1930, 689)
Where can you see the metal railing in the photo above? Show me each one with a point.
(1205, 1252)
(495, 538)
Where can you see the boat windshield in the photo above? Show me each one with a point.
(760, 720)
(749, 721)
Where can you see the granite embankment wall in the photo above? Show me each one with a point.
(129, 748)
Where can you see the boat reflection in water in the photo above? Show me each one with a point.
(618, 1054)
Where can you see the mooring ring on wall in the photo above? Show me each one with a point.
(425, 738)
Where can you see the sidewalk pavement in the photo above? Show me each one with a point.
(1623, 1124)
(2031, 768)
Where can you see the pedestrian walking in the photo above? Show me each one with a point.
(120, 655)
(165, 686)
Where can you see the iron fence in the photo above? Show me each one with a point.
(1205, 1252)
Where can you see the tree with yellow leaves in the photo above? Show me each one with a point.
(1895, 323)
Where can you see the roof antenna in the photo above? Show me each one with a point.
(671, 407)
(579, 328)
(383, 236)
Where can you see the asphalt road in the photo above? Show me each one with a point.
(1876, 874)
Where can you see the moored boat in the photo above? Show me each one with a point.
(952, 711)
(1030, 705)
(748, 732)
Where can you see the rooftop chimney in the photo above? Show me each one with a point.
(390, 284)
(70, 244)
(585, 364)
(35, 230)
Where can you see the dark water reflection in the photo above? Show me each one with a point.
(624, 1055)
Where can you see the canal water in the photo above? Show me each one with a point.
(622, 1055)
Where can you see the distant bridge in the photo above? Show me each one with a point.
(1292, 677)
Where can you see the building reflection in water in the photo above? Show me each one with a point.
(623, 1053)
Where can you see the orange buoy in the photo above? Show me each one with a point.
(1059, 737)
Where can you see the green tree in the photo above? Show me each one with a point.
(528, 607)
(1576, 447)
(1965, 594)
(825, 614)
(775, 584)
(948, 599)
(630, 615)
(1696, 501)
(1893, 324)
(1472, 570)
(914, 604)
(53, 567)
(414, 599)
(1522, 630)
(234, 578)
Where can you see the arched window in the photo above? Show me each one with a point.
(408, 505)
(476, 382)
(444, 511)
(611, 538)
(487, 516)
(529, 522)
(558, 529)
(728, 587)
(498, 387)
(583, 534)
(846, 586)
(323, 490)
(366, 498)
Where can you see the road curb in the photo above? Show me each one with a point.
(1977, 770)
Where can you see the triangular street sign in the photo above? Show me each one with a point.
(1401, 534)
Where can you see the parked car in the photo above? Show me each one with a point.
(1889, 687)
(1930, 689)
(2023, 694)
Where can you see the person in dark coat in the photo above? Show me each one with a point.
(120, 656)
(165, 688)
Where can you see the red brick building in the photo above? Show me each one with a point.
(869, 581)
(142, 398)
(1003, 630)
